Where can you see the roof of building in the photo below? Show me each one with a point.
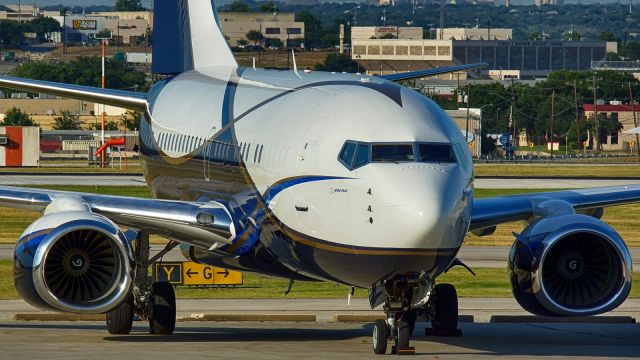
(611, 108)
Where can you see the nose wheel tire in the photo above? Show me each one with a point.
(120, 320)
(410, 318)
(445, 320)
(162, 319)
(381, 333)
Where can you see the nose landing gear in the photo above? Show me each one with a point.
(441, 309)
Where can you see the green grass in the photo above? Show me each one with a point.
(624, 219)
(487, 283)
(557, 170)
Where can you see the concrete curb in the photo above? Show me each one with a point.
(346, 318)
(520, 319)
(250, 317)
(57, 317)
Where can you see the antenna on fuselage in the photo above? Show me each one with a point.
(254, 63)
(295, 65)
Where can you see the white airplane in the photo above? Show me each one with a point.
(307, 176)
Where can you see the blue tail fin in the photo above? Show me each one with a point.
(187, 36)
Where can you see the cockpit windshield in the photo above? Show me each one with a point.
(392, 152)
(357, 154)
(440, 153)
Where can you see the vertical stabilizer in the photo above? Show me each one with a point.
(187, 36)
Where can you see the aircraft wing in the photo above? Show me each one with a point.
(432, 72)
(489, 212)
(119, 98)
(198, 223)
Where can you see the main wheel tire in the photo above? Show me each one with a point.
(402, 342)
(162, 320)
(380, 337)
(410, 318)
(446, 308)
(120, 320)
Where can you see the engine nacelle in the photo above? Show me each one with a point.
(569, 265)
(73, 261)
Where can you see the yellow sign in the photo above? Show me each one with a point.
(190, 273)
(85, 24)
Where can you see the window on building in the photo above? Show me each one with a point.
(294, 31)
(272, 31)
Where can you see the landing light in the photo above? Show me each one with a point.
(205, 219)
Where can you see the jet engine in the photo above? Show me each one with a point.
(569, 265)
(73, 261)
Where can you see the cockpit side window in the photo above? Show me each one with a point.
(346, 154)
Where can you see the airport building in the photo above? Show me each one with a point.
(281, 26)
(83, 28)
(530, 59)
(624, 113)
(474, 34)
(19, 146)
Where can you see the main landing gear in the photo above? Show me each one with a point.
(440, 307)
(155, 302)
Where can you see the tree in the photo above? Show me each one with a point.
(239, 6)
(535, 36)
(42, 26)
(131, 120)
(11, 33)
(338, 63)
(15, 117)
(608, 36)
(84, 71)
(109, 125)
(274, 43)
(268, 7)
(573, 36)
(313, 30)
(67, 121)
(129, 5)
(255, 36)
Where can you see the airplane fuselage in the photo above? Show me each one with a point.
(272, 146)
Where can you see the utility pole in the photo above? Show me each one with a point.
(575, 95)
(465, 98)
(441, 19)
(511, 118)
(553, 109)
(635, 120)
(595, 112)
(104, 83)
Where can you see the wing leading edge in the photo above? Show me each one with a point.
(202, 224)
(497, 210)
(432, 72)
(119, 98)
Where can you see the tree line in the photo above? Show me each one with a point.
(532, 104)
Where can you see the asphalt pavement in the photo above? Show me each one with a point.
(513, 335)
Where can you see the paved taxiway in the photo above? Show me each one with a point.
(266, 340)
(136, 180)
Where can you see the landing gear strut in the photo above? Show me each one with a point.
(155, 302)
(440, 306)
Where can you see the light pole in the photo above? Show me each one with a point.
(480, 129)
(103, 39)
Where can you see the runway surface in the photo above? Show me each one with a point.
(132, 180)
(265, 341)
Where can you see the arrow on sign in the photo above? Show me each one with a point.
(225, 272)
(189, 273)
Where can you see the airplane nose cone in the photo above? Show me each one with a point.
(422, 209)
